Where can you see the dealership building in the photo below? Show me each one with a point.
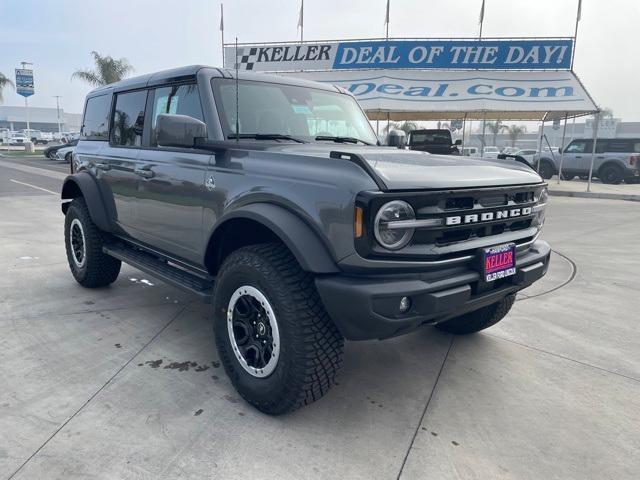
(44, 119)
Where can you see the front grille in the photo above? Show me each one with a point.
(464, 238)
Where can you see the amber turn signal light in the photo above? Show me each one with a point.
(358, 222)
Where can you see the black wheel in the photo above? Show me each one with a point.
(567, 176)
(611, 174)
(480, 319)
(546, 170)
(68, 157)
(276, 342)
(83, 241)
(584, 177)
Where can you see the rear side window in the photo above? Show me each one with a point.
(620, 146)
(128, 119)
(95, 125)
(177, 99)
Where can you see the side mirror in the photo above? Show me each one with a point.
(458, 142)
(179, 130)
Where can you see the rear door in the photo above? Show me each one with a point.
(170, 181)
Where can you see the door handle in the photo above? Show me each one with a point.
(144, 172)
(600, 158)
(102, 166)
(578, 156)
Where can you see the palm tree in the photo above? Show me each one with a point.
(495, 128)
(108, 70)
(4, 81)
(406, 127)
(514, 132)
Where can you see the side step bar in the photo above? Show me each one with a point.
(161, 269)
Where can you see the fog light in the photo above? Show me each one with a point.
(405, 304)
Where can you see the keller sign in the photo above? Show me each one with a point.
(485, 54)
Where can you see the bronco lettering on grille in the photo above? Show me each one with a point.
(487, 216)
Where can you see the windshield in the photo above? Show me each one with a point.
(439, 138)
(301, 112)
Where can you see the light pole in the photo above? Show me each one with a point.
(58, 97)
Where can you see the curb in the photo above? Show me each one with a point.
(604, 196)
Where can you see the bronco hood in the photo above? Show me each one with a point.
(412, 170)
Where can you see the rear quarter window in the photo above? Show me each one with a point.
(95, 125)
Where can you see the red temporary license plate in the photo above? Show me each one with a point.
(499, 261)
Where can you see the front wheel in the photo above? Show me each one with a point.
(276, 342)
(480, 319)
(546, 171)
(90, 266)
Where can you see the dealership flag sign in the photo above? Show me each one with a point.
(476, 54)
(24, 82)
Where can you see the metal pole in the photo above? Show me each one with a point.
(593, 150)
(58, 112)
(575, 34)
(26, 106)
(564, 133)
(484, 125)
(540, 145)
(464, 124)
(302, 21)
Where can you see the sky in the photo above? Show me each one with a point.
(57, 36)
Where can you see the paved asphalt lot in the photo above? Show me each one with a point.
(124, 382)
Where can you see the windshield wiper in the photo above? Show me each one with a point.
(265, 136)
(342, 139)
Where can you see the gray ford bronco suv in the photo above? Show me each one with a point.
(268, 197)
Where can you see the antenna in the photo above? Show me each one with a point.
(237, 98)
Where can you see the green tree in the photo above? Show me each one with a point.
(108, 70)
(4, 81)
(495, 128)
(406, 127)
(514, 132)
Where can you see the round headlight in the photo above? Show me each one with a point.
(389, 234)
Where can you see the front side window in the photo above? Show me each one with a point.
(128, 119)
(301, 112)
(176, 99)
(577, 147)
(95, 125)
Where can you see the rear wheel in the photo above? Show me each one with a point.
(546, 170)
(480, 319)
(83, 241)
(567, 176)
(276, 342)
(611, 174)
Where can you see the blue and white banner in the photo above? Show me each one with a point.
(24, 82)
(485, 54)
(430, 93)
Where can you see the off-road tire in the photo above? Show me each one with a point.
(311, 347)
(567, 177)
(480, 319)
(611, 175)
(98, 269)
(546, 170)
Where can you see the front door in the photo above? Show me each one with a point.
(171, 181)
(575, 156)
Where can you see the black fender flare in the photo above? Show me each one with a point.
(308, 248)
(84, 185)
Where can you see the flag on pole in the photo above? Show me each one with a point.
(579, 11)
(221, 18)
(481, 13)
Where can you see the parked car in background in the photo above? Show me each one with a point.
(18, 139)
(34, 135)
(65, 153)
(510, 150)
(50, 152)
(528, 154)
(471, 152)
(435, 140)
(616, 159)
(490, 152)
